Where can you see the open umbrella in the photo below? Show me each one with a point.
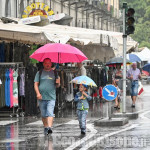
(133, 58)
(116, 60)
(59, 53)
(146, 67)
(84, 80)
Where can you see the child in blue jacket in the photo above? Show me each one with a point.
(82, 98)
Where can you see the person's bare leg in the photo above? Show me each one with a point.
(134, 99)
(45, 123)
(50, 121)
(116, 101)
(119, 104)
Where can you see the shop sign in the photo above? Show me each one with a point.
(37, 9)
(56, 17)
(30, 20)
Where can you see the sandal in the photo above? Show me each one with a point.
(116, 107)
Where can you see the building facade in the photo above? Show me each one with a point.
(92, 14)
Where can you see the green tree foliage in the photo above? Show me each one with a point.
(142, 20)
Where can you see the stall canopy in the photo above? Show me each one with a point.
(64, 34)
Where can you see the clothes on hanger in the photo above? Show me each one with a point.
(22, 85)
(69, 95)
(15, 88)
(2, 52)
(2, 89)
(11, 87)
(7, 88)
(103, 77)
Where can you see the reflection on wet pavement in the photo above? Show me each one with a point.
(26, 133)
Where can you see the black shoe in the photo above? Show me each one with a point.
(83, 133)
(49, 131)
(116, 107)
(133, 106)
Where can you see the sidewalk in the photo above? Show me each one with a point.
(27, 132)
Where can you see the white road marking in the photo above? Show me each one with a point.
(143, 115)
(74, 122)
(11, 141)
(3, 123)
(88, 136)
(36, 123)
(141, 111)
(94, 142)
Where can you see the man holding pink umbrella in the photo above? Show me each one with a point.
(45, 83)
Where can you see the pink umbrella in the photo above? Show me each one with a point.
(59, 53)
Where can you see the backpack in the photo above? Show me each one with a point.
(40, 73)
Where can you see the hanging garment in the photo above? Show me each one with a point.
(2, 52)
(2, 89)
(11, 87)
(94, 75)
(94, 94)
(62, 79)
(69, 95)
(110, 74)
(103, 76)
(22, 85)
(15, 88)
(7, 88)
(11, 54)
(17, 51)
(7, 51)
(100, 92)
(30, 98)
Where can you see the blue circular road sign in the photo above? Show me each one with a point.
(109, 92)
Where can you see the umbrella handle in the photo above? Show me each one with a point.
(58, 57)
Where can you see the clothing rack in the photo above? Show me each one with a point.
(19, 111)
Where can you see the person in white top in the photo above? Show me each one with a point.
(81, 70)
(134, 75)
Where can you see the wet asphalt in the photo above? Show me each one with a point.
(26, 133)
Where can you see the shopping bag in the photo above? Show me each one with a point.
(140, 88)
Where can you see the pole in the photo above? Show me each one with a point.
(76, 19)
(16, 8)
(109, 110)
(124, 58)
(50, 4)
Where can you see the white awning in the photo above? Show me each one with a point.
(63, 34)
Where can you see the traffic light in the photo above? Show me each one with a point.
(130, 21)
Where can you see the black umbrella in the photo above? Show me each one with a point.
(117, 60)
